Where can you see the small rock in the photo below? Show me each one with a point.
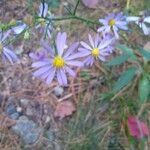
(19, 109)
(29, 111)
(58, 91)
(48, 119)
(10, 109)
(23, 118)
(14, 116)
(24, 102)
(27, 130)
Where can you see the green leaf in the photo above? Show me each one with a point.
(127, 50)
(118, 60)
(53, 3)
(124, 79)
(144, 89)
(145, 53)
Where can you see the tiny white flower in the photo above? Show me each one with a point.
(140, 21)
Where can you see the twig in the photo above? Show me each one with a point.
(65, 97)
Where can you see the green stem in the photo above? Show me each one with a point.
(75, 9)
(73, 17)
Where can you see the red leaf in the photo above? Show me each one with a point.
(137, 128)
(90, 3)
(64, 109)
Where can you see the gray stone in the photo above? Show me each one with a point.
(23, 118)
(11, 109)
(58, 91)
(19, 109)
(15, 116)
(27, 130)
(29, 111)
(24, 102)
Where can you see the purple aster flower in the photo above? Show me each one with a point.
(44, 26)
(141, 22)
(110, 47)
(43, 9)
(5, 52)
(98, 49)
(59, 63)
(19, 28)
(39, 55)
(42, 53)
(112, 23)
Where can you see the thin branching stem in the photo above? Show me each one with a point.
(73, 17)
(75, 9)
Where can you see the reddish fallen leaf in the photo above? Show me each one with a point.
(137, 128)
(64, 109)
(90, 3)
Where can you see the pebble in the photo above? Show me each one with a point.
(58, 91)
(11, 109)
(48, 119)
(15, 116)
(24, 102)
(29, 111)
(28, 130)
(19, 109)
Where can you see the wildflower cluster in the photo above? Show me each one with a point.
(58, 60)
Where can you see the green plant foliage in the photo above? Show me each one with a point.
(127, 50)
(145, 53)
(147, 4)
(144, 89)
(124, 79)
(118, 60)
(53, 3)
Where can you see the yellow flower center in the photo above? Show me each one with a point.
(111, 22)
(95, 52)
(1, 47)
(58, 62)
(42, 21)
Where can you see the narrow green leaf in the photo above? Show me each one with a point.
(124, 79)
(145, 53)
(144, 89)
(118, 60)
(127, 50)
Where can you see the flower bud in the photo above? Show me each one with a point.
(26, 35)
